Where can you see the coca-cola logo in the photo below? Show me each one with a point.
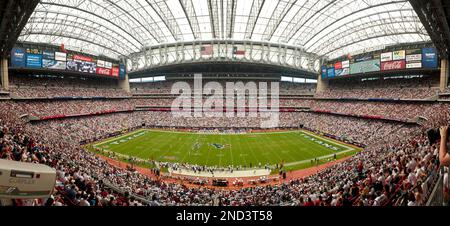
(103, 71)
(394, 65)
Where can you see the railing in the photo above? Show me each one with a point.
(436, 197)
(122, 192)
(290, 57)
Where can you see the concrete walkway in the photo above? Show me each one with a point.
(224, 174)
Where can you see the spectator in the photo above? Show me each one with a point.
(444, 157)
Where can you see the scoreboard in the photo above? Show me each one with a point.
(33, 58)
(423, 58)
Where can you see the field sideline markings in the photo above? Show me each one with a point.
(319, 158)
(120, 137)
(347, 148)
(226, 134)
(329, 140)
(309, 151)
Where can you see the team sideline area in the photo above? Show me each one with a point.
(225, 103)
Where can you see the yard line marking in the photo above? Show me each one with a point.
(319, 158)
(224, 137)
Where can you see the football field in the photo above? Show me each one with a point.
(295, 149)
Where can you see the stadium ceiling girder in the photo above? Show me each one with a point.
(255, 52)
(165, 14)
(309, 24)
(363, 19)
(189, 11)
(278, 16)
(73, 30)
(144, 29)
(72, 37)
(61, 21)
(255, 11)
(356, 13)
(213, 10)
(231, 17)
(388, 28)
(435, 16)
(13, 17)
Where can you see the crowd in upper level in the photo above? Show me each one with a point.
(388, 88)
(45, 87)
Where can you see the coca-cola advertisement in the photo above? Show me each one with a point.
(103, 71)
(393, 65)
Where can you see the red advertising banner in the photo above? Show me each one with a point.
(103, 71)
(82, 58)
(393, 65)
(338, 65)
(115, 71)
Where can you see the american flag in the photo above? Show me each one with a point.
(206, 50)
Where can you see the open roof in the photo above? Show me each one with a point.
(117, 28)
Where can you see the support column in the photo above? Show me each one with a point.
(4, 75)
(444, 74)
(125, 84)
(322, 85)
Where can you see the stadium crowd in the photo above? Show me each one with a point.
(73, 107)
(398, 111)
(50, 87)
(414, 88)
(403, 111)
(390, 168)
(397, 166)
(286, 88)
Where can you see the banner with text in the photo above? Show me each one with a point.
(34, 60)
(324, 72)
(18, 57)
(414, 65)
(393, 65)
(429, 58)
(399, 55)
(60, 56)
(386, 57)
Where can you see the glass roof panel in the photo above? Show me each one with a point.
(118, 28)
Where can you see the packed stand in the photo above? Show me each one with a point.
(416, 88)
(286, 88)
(398, 111)
(73, 107)
(51, 87)
(384, 174)
(393, 169)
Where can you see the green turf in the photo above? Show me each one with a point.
(292, 148)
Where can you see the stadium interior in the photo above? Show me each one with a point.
(370, 75)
